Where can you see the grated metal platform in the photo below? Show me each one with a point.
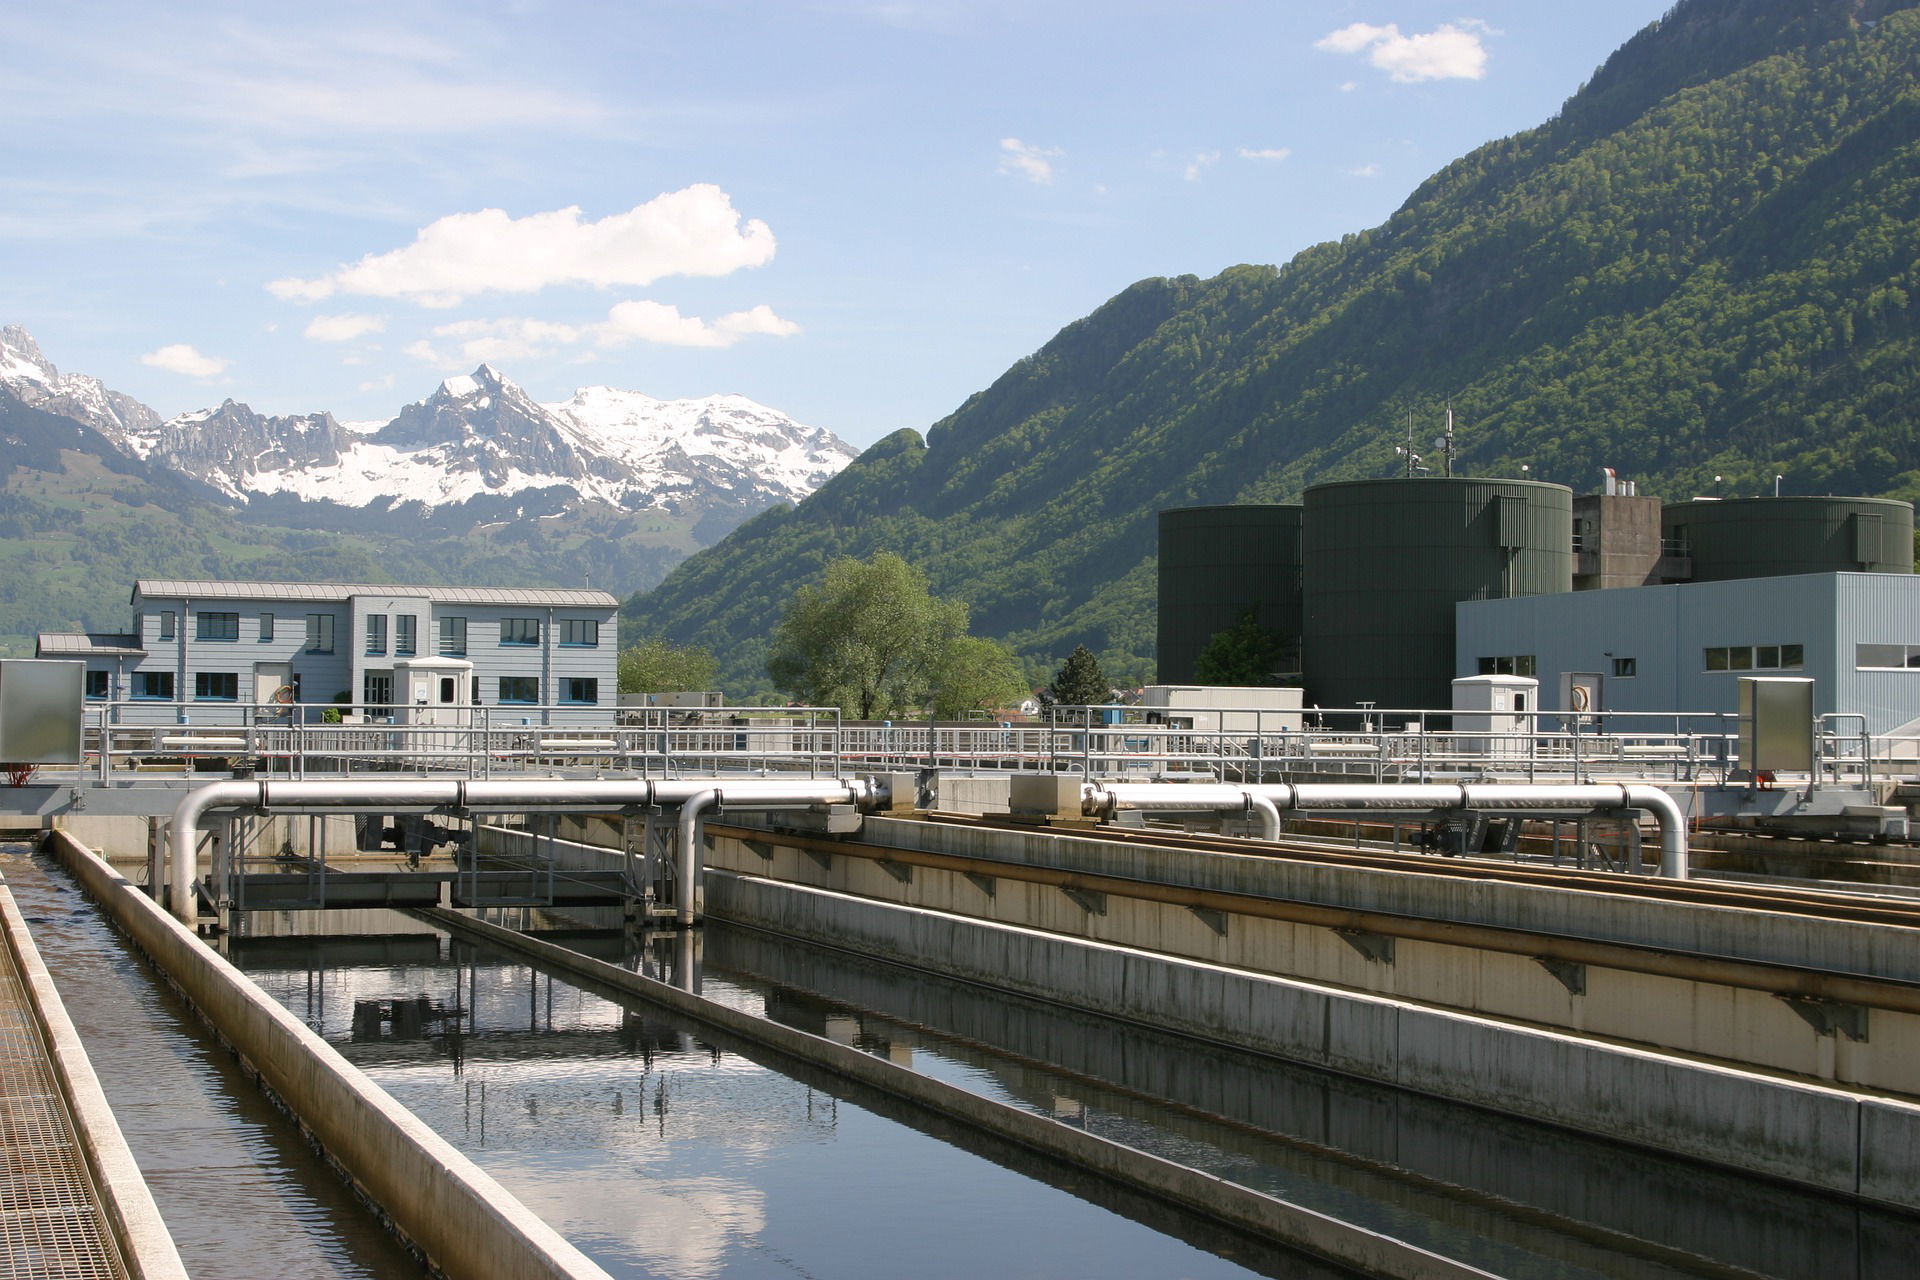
(51, 1224)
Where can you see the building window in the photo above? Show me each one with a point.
(1626, 668)
(403, 631)
(584, 632)
(216, 626)
(216, 686)
(519, 688)
(99, 683)
(153, 684)
(376, 633)
(266, 627)
(580, 689)
(1756, 657)
(167, 618)
(519, 631)
(453, 638)
(1519, 664)
(1898, 656)
(319, 633)
(378, 689)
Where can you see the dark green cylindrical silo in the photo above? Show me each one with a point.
(1386, 561)
(1215, 564)
(1773, 537)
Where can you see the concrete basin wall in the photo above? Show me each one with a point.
(1834, 1139)
(459, 1217)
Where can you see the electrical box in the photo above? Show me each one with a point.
(1776, 724)
(40, 710)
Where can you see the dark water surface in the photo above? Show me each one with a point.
(241, 1192)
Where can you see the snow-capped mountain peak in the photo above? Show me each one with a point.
(33, 378)
(478, 435)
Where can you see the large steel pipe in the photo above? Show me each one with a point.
(1104, 799)
(535, 795)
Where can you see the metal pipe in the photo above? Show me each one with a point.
(546, 795)
(1100, 800)
(684, 897)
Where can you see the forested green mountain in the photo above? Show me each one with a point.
(1704, 265)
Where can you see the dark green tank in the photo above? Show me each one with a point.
(1773, 537)
(1217, 562)
(1386, 561)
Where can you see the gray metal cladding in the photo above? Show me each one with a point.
(1215, 563)
(1775, 537)
(1386, 561)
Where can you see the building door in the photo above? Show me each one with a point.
(269, 678)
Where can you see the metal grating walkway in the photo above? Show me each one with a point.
(51, 1223)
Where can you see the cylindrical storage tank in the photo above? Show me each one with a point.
(1215, 564)
(1386, 561)
(1774, 537)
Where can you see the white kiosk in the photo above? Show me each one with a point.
(434, 692)
(1502, 707)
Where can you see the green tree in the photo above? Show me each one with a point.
(868, 639)
(975, 674)
(1244, 654)
(1080, 682)
(657, 666)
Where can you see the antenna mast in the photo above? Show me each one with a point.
(1446, 441)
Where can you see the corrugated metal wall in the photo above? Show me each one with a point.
(1775, 537)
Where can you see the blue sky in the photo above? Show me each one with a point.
(858, 213)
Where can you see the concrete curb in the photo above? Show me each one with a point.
(1268, 1217)
(146, 1246)
(467, 1224)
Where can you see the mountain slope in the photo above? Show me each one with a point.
(1703, 266)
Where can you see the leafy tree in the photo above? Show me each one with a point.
(868, 639)
(656, 666)
(975, 674)
(1245, 654)
(1080, 682)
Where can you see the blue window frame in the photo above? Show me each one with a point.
(519, 631)
(376, 633)
(581, 633)
(453, 638)
(405, 625)
(216, 626)
(580, 689)
(153, 684)
(523, 689)
(216, 686)
(266, 627)
(319, 633)
(99, 683)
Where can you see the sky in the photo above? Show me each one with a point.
(858, 213)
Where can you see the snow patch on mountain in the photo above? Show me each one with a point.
(32, 377)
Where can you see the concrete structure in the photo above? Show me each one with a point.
(1618, 541)
(1215, 564)
(1205, 708)
(1683, 647)
(1386, 560)
(199, 651)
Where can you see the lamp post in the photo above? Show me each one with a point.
(1776, 485)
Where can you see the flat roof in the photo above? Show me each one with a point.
(91, 644)
(576, 597)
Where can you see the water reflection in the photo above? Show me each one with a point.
(661, 1150)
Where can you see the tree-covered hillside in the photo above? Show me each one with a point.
(1705, 265)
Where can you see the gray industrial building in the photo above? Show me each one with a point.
(1401, 585)
(206, 647)
(1683, 647)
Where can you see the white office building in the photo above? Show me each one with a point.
(202, 651)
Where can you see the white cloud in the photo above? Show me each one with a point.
(470, 342)
(1265, 153)
(378, 384)
(1451, 51)
(1366, 171)
(1200, 164)
(343, 328)
(1027, 161)
(178, 357)
(692, 232)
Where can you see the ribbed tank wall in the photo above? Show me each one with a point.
(1386, 561)
(1215, 563)
(1773, 537)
